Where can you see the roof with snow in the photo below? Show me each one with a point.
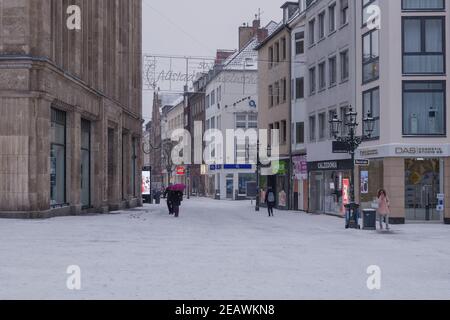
(247, 58)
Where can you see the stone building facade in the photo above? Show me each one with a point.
(71, 124)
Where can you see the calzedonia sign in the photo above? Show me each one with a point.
(330, 165)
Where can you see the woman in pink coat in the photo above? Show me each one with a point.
(383, 208)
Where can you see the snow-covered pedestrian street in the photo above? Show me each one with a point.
(219, 250)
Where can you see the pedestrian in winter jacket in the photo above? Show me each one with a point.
(270, 201)
(177, 198)
(169, 195)
(383, 208)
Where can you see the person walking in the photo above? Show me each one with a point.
(270, 201)
(177, 198)
(168, 194)
(383, 208)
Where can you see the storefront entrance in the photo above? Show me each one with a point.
(329, 186)
(422, 186)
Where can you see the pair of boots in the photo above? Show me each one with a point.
(386, 221)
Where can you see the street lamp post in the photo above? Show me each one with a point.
(352, 142)
(258, 173)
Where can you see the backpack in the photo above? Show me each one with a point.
(271, 197)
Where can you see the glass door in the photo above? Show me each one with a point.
(317, 192)
(422, 185)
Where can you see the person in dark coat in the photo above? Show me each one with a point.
(169, 196)
(270, 201)
(177, 198)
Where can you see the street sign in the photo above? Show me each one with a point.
(362, 162)
(340, 147)
(181, 170)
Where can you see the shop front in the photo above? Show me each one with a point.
(329, 186)
(300, 188)
(277, 177)
(415, 178)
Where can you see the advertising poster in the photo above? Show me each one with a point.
(146, 183)
(345, 193)
(364, 182)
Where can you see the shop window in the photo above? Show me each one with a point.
(371, 179)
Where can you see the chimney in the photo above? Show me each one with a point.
(246, 33)
(262, 34)
(222, 55)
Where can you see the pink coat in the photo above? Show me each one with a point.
(383, 205)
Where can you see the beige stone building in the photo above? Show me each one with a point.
(274, 95)
(71, 114)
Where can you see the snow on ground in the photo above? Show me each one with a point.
(219, 250)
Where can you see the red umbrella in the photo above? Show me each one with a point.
(178, 187)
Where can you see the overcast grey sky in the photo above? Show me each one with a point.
(198, 27)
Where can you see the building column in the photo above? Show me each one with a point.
(73, 190)
(394, 183)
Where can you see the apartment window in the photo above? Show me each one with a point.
(365, 13)
(371, 103)
(332, 18)
(300, 132)
(207, 101)
(213, 97)
(332, 66)
(312, 80)
(344, 127)
(331, 115)
(322, 126)
(241, 121)
(213, 123)
(322, 25)
(283, 132)
(423, 45)
(271, 96)
(424, 108)
(322, 76)
(252, 121)
(270, 57)
(283, 49)
(344, 65)
(58, 158)
(299, 88)
(277, 93)
(284, 89)
(344, 12)
(219, 94)
(277, 52)
(311, 30)
(371, 56)
(300, 43)
(312, 128)
(423, 5)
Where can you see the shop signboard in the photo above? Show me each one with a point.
(340, 147)
(279, 167)
(300, 165)
(181, 170)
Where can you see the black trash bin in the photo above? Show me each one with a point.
(369, 219)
